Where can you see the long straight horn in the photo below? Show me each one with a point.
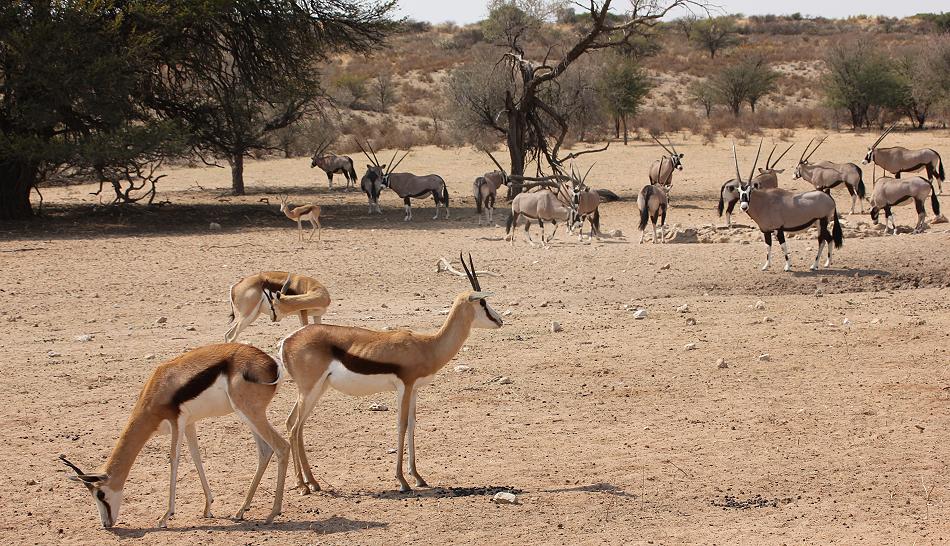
(393, 167)
(805, 151)
(884, 134)
(671, 143)
(471, 265)
(584, 180)
(497, 164)
(756, 162)
(736, 157)
(767, 166)
(468, 273)
(661, 144)
(375, 159)
(370, 159)
(815, 149)
(783, 155)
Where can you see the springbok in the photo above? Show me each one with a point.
(661, 172)
(210, 381)
(485, 189)
(890, 192)
(331, 164)
(542, 205)
(897, 160)
(409, 186)
(652, 202)
(767, 178)
(284, 294)
(781, 210)
(310, 213)
(361, 362)
(825, 175)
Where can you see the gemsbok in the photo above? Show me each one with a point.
(409, 186)
(209, 381)
(485, 189)
(897, 160)
(586, 204)
(890, 192)
(543, 205)
(360, 362)
(282, 293)
(331, 164)
(661, 172)
(825, 175)
(310, 213)
(652, 202)
(780, 210)
(767, 178)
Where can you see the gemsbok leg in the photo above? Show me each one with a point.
(781, 242)
(768, 254)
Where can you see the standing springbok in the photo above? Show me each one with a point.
(781, 210)
(206, 382)
(542, 205)
(661, 172)
(283, 293)
(767, 178)
(361, 362)
(485, 189)
(897, 160)
(825, 175)
(331, 164)
(310, 213)
(889, 192)
(652, 202)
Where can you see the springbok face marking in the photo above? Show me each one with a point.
(107, 501)
(485, 316)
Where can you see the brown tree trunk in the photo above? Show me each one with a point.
(517, 148)
(237, 173)
(623, 117)
(16, 181)
(616, 126)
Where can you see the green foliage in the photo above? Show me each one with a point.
(862, 80)
(714, 34)
(745, 81)
(623, 86)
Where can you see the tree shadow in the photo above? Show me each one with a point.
(856, 273)
(593, 488)
(444, 492)
(331, 525)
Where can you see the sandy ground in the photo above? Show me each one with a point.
(610, 430)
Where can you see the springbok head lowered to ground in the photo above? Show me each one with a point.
(107, 501)
(274, 297)
(869, 157)
(803, 160)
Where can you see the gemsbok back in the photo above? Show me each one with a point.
(825, 175)
(210, 381)
(543, 205)
(780, 210)
(408, 186)
(897, 160)
(890, 192)
(361, 362)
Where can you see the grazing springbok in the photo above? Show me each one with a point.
(361, 362)
(890, 192)
(767, 178)
(210, 381)
(485, 189)
(310, 213)
(897, 160)
(825, 175)
(542, 205)
(331, 164)
(652, 202)
(780, 210)
(661, 172)
(283, 293)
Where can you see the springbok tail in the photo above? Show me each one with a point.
(836, 234)
(231, 299)
(861, 189)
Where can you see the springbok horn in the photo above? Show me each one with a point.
(783, 155)
(736, 157)
(661, 144)
(471, 265)
(467, 272)
(71, 465)
(756, 162)
(770, 157)
(815, 149)
(497, 164)
(286, 285)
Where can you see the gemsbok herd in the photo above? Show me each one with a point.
(222, 379)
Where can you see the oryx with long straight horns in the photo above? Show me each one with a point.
(410, 186)
(210, 381)
(553, 202)
(661, 171)
(372, 181)
(281, 294)
(586, 205)
(778, 210)
(825, 175)
(897, 160)
(767, 178)
(485, 189)
(890, 192)
(361, 362)
(331, 164)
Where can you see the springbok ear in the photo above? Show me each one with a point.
(475, 296)
(761, 170)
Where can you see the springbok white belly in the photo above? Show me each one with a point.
(357, 384)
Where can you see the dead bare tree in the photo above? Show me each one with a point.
(534, 129)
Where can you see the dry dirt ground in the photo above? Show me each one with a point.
(610, 430)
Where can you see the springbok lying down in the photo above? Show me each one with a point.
(281, 293)
(542, 206)
(897, 160)
(780, 211)
(890, 192)
(825, 175)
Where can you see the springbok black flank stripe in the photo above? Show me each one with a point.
(360, 365)
(199, 383)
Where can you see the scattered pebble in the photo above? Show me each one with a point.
(555, 326)
(845, 322)
(769, 319)
(664, 267)
(506, 313)
(876, 321)
(214, 226)
(640, 314)
(462, 368)
(721, 363)
(53, 354)
(502, 380)
(759, 305)
(84, 338)
(765, 357)
(378, 407)
(819, 292)
(689, 346)
(544, 304)
(149, 356)
(390, 451)
(31, 482)
(504, 497)
(190, 328)
(161, 320)
(691, 321)
(683, 308)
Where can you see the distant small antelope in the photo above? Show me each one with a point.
(310, 213)
(485, 189)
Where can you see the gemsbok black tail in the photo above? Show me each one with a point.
(934, 203)
(352, 173)
(479, 182)
(445, 195)
(836, 234)
(941, 175)
(861, 189)
(646, 193)
(511, 222)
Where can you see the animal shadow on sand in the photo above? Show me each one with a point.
(445, 492)
(841, 273)
(331, 525)
(608, 488)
